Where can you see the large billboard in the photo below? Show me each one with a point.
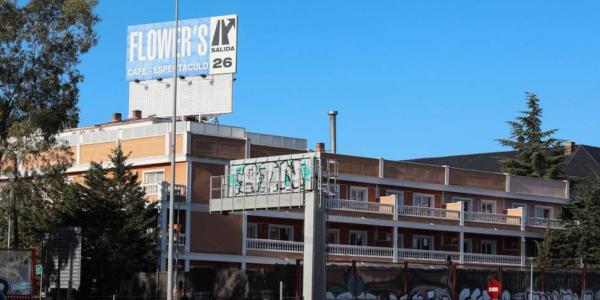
(205, 46)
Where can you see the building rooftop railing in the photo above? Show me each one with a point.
(155, 127)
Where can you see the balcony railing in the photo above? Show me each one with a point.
(162, 189)
(492, 259)
(365, 251)
(275, 245)
(385, 252)
(545, 223)
(433, 255)
(360, 206)
(428, 212)
(492, 218)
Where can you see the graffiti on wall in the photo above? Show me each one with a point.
(15, 268)
(436, 284)
(284, 176)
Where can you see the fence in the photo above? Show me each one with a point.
(357, 281)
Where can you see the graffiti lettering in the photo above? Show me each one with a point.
(271, 177)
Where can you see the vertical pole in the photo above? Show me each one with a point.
(461, 234)
(531, 280)
(8, 233)
(281, 290)
(405, 277)
(298, 281)
(542, 279)
(395, 241)
(584, 282)
(244, 236)
(172, 150)
(454, 293)
(41, 283)
(70, 287)
(500, 278)
(32, 276)
(332, 130)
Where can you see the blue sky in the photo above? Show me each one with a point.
(409, 78)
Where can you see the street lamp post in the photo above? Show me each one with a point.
(172, 152)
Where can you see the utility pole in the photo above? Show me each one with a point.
(172, 149)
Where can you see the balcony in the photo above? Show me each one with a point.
(490, 218)
(492, 259)
(360, 206)
(428, 255)
(161, 190)
(275, 245)
(362, 251)
(352, 251)
(428, 212)
(439, 213)
(545, 223)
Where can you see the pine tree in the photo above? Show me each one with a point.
(539, 154)
(579, 242)
(119, 227)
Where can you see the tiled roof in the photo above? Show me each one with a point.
(581, 163)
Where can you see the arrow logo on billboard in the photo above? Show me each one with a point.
(221, 36)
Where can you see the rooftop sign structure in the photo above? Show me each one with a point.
(206, 46)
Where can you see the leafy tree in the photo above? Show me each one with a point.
(119, 227)
(33, 196)
(41, 42)
(539, 154)
(579, 242)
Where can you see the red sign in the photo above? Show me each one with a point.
(494, 289)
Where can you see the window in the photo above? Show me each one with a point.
(383, 235)
(422, 200)
(358, 238)
(423, 242)
(333, 190)
(252, 231)
(467, 202)
(488, 206)
(400, 241)
(281, 232)
(153, 177)
(522, 205)
(359, 193)
(543, 212)
(333, 236)
(468, 245)
(488, 247)
(511, 244)
(399, 196)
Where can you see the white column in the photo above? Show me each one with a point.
(244, 235)
(395, 241)
(313, 275)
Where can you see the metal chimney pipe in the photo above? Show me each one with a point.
(332, 130)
